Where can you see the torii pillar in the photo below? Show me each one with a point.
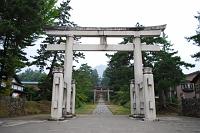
(138, 74)
(68, 74)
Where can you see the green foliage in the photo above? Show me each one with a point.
(50, 59)
(32, 75)
(44, 82)
(95, 77)
(31, 93)
(7, 90)
(119, 70)
(105, 79)
(56, 58)
(167, 71)
(21, 22)
(166, 68)
(118, 75)
(45, 86)
(85, 82)
(196, 38)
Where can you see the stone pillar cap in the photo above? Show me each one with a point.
(58, 70)
(147, 70)
(132, 81)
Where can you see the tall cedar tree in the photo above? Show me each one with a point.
(196, 38)
(21, 22)
(51, 59)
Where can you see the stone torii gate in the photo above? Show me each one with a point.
(103, 32)
(101, 90)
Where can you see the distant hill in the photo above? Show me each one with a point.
(100, 69)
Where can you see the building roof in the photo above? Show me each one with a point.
(17, 81)
(191, 76)
(30, 83)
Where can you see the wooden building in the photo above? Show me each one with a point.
(190, 88)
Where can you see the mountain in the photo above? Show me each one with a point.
(100, 69)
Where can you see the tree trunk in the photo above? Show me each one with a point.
(52, 65)
(162, 99)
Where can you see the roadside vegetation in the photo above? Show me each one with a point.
(119, 109)
(85, 109)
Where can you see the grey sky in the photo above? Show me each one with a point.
(177, 14)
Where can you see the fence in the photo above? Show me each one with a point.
(11, 106)
(191, 107)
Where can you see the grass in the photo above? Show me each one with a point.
(39, 107)
(86, 109)
(119, 110)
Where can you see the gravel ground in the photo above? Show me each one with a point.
(102, 121)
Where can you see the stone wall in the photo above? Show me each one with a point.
(191, 107)
(11, 106)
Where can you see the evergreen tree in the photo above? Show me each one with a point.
(166, 68)
(167, 71)
(32, 75)
(95, 77)
(196, 38)
(51, 59)
(84, 78)
(119, 73)
(21, 22)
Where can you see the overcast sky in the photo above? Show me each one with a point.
(177, 14)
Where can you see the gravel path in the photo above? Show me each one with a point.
(102, 109)
(102, 121)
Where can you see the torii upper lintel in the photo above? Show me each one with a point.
(106, 31)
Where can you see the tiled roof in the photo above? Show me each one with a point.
(190, 77)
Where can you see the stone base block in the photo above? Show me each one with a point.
(69, 116)
(54, 119)
(137, 116)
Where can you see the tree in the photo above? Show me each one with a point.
(196, 38)
(95, 77)
(84, 78)
(51, 59)
(167, 72)
(105, 79)
(119, 73)
(30, 75)
(166, 68)
(21, 23)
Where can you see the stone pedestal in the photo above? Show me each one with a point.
(57, 94)
(150, 109)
